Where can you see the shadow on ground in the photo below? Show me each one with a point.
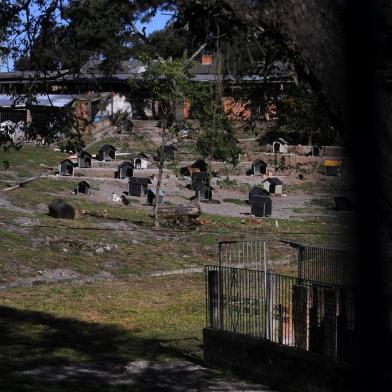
(40, 352)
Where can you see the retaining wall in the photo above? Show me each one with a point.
(285, 368)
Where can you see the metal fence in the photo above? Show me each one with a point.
(305, 314)
(335, 266)
(257, 254)
(318, 263)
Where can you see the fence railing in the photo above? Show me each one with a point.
(328, 265)
(308, 315)
(256, 254)
(322, 264)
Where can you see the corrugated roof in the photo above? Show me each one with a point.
(56, 100)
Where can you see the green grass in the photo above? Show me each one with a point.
(71, 244)
(324, 185)
(30, 161)
(113, 323)
(323, 203)
(124, 143)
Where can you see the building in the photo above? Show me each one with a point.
(125, 170)
(106, 153)
(261, 206)
(66, 168)
(101, 95)
(83, 187)
(273, 185)
(138, 186)
(258, 167)
(280, 146)
(84, 160)
(200, 178)
(140, 161)
(151, 196)
(204, 192)
(38, 111)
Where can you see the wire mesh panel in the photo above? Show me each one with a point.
(259, 254)
(327, 265)
(309, 315)
(236, 300)
(246, 254)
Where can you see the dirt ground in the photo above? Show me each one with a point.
(296, 201)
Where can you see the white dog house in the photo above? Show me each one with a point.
(281, 146)
(140, 161)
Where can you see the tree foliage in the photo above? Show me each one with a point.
(303, 112)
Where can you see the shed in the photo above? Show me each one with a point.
(83, 187)
(280, 145)
(140, 161)
(84, 159)
(151, 196)
(273, 185)
(124, 170)
(58, 208)
(257, 191)
(258, 167)
(332, 167)
(204, 192)
(138, 186)
(261, 206)
(66, 168)
(106, 153)
(200, 178)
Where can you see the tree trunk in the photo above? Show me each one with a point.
(158, 189)
(161, 162)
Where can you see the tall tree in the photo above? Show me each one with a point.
(168, 82)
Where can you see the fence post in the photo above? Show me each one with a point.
(300, 262)
(267, 312)
(300, 315)
(214, 299)
(280, 323)
(329, 322)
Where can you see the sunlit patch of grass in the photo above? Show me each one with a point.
(31, 160)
